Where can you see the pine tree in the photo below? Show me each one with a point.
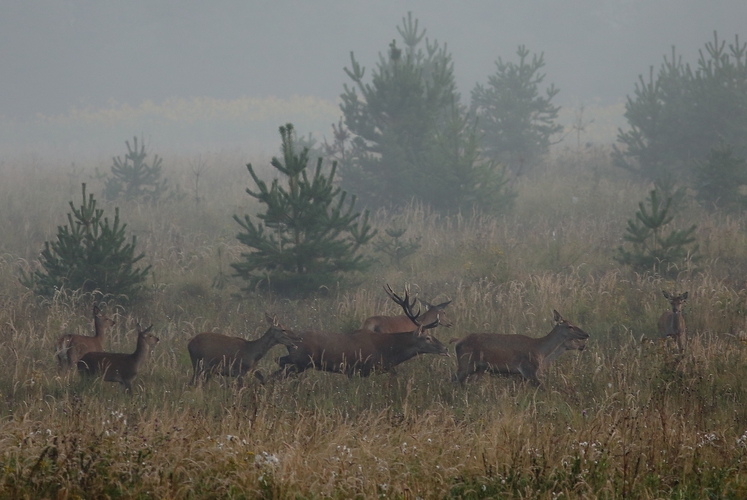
(309, 235)
(90, 255)
(409, 136)
(653, 248)
(676, 118)
(132, 178)
(515, 121)
(720, 179)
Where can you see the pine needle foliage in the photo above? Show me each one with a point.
(309, 235)
(653, 248)
(720, 179)
(91, 254)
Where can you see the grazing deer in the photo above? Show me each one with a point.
(234, 356)
(402, 323)
(516, 354)
(119, 367)
(362, 351)
(672, 323)
(70, 348)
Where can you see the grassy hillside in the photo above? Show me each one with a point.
(622, 418)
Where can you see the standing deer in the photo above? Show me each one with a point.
(672, 323)
(402, 323)
(70, 348)
(516, 354)
(362, 351)
(119, 367)
(234, 356)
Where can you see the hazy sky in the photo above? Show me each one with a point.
(58, 54)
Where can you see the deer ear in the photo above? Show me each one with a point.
(666, 295)
(556, 316)
(684, 296)
(96, 310)
(443, 304)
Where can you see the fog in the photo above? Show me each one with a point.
(58, 57)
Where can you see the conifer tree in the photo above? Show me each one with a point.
(132, 177)
(719, 180)
(309, 235)
(89, 255)
(654, 249)
(409, 135)
(515, 120)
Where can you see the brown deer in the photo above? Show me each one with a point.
(117, 366)
(70, 348)
(672, 323)
(516, 354)
(362, 351)
(234, 356)
(402, 323)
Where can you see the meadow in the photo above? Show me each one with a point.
(623, 418)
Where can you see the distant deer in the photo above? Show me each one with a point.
(402, 323)
(234, 356)
(116, 366)
(363, 351)
(672, 323)
(516, 354)
(70, 348)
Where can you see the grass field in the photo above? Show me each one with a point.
(624, 418)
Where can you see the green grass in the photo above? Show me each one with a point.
(622, 418)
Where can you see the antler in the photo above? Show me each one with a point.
(404, 303)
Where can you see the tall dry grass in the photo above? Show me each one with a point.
(624, 418)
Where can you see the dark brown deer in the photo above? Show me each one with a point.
(516, 354)
(402, 323)
(363, 351)
(234, 356)
(70, 348)
(672, 323)
(116, 366)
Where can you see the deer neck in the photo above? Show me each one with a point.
(98, 328)
(256, 349)
(142, 351)
(550, 346)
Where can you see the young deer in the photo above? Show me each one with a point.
(70, 348)
(234, 356)
(516, 354)
(672, 323)
(402, 323)
(117, 366)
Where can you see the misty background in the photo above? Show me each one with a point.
(81, 77)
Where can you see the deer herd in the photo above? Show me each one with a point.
(382, 343)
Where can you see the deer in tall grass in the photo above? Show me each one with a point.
(363, 351)
(672, 323)
(70, 348)
(402, 323)
(516, 354)
(234, 356)
(116, 366)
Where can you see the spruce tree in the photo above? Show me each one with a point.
(654, 249)
(309, 235)
(90, 255)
